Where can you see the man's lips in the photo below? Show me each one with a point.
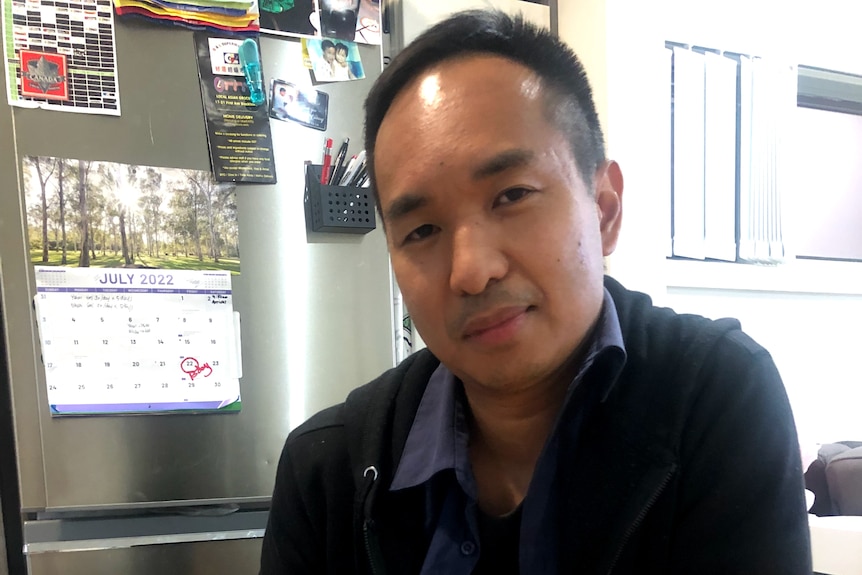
(486, 322)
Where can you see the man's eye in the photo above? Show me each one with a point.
(420, 233)
(512, 195)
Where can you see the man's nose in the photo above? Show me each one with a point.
(478, 259)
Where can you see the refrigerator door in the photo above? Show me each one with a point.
(316, 308)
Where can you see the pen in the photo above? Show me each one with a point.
(338, 166)
(327, 161)
(350, 174)
(349, 171)
(360, 175)
(361, 170)
(346, 170)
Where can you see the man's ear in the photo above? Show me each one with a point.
(609, 201)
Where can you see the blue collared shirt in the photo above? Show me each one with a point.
(436, 457)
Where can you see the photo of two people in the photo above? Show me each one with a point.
(332, 60)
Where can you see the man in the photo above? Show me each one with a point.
(280, 103)
(557, 423)
(324, 67)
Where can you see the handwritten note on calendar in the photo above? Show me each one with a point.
(138, 340)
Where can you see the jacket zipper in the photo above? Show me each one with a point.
(367, 526)
(372, 547)
(636, 523)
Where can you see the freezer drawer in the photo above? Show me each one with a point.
(225, 557)
(206, 540)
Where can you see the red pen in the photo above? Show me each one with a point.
(327, 162)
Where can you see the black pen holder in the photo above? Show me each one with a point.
(339, 209)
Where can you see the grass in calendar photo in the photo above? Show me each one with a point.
(103, 214)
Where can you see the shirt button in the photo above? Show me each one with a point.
(468, 547)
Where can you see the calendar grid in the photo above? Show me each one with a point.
(167, 341)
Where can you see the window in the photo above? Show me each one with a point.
(827, 180)
(729, 118)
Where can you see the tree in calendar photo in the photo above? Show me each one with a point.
(103, 214)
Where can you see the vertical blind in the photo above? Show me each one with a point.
(729, 113)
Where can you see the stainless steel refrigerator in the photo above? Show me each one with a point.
(185, 493)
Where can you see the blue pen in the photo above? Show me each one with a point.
(249, 59)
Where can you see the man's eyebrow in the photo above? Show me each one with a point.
(503, 161)
(403, 206)
(499, 163)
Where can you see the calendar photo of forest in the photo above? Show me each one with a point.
(103, 214)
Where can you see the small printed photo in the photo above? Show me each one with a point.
(354, 20)
(305, 106)
(288, 17)
(332, 60)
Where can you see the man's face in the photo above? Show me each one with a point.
(329, 53)
(495, 239)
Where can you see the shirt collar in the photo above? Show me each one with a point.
(607, 340)
(431, 443)
(438, 435)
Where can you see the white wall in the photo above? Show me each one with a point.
(583, 25)
(813, 338)
(811, 331)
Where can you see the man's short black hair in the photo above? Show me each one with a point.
(568, 95)
(326, 44)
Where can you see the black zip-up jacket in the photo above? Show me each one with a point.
(689, 464)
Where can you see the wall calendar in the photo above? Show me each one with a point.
(138, 340)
